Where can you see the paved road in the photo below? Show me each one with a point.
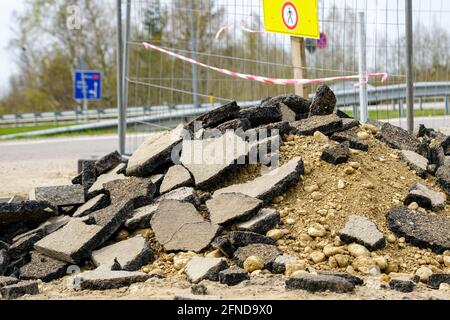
(65, 148)
(27, 164)
(438, 123)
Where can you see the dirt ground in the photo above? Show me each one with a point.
(21, 176)
(262, 287)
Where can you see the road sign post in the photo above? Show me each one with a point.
(299, 63)
(299, 19)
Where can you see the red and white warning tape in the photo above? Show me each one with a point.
(266, 80)
(242, 26)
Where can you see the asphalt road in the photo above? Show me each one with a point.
(64, 148)
(438, 123)
(32, 163)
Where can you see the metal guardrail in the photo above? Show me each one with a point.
(174, 115)
(345, 98)
(161, 114)
(350, 98)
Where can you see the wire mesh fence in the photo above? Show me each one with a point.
(230, 34)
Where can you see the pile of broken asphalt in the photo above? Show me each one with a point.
(347, 202)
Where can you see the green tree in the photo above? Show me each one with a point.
(48, 48)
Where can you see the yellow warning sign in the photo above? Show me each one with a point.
(294, 17)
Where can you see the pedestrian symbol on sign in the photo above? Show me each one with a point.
(290, 15)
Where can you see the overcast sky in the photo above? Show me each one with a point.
(6, 59)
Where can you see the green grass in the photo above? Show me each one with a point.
(90, 132)
(393, 114)
(16, 130)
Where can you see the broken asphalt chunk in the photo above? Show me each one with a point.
(43, 268)
(270, 185)
(420, 229)
(61, 196)
(216, 117)
(363, 231)
(336, 154)
(416, 162)
(351, 137)
(72, 243)
(141, 217)
(20, 289)
(326, 124)
(265, 220)
(425, 198)
(259, 116)
(398, 138)
(154, 153)
(268, 253)
(228, 207)
(140, 191)
(177, 177)
(209, 160)
(99, 202)
(131, 254)
(108, 162)
(178, 226)
(104, 279)
(319, 283)
(443, 178)
(112, 175)
(88, 175)
(402, 285)
(244, 238)
(324, 102)
(200, 268)
(357, 281)
(233, 276)
(26, 212)
(435, 280)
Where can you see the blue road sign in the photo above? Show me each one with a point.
(88, 85)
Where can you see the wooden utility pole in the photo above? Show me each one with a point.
(299, 63)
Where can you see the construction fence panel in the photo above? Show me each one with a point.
(229, 34)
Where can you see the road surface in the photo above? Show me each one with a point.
(25, 164)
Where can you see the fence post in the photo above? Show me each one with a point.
(362, 68)
(193, 54)
(126, 53)
(447, 107)
(355, 111)
(409, 65)
(122, 111)
(400, 108)
(299, 63)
